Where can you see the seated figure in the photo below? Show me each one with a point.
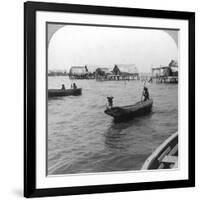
(110, 101)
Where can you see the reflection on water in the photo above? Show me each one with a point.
(83, 139)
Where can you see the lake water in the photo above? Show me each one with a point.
(83, 139)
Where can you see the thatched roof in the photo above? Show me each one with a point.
(78, 70)
(126, 68)
(104, 70)
(173, 63)
(91, 68)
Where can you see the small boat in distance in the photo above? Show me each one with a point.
(64, 92)
(165, 156)
(127, 112)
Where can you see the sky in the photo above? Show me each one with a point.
(73, 45)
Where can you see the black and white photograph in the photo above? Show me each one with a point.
(112, 98)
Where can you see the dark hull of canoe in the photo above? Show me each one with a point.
(165, 156)
(128, 112)
(61, 93)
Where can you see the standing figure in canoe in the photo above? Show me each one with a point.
(110, 101)
(145, 94)
(73, 86)
(63, 87)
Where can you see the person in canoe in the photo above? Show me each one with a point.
(74, 86)
(145, 94)
(63, 87)
(110, 102)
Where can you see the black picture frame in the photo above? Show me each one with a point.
(30, 9)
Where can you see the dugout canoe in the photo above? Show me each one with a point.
(130, 111)
(66, 92)
(165, 156)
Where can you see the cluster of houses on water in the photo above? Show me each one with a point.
(122, 72)
(166, 74)
(118, 72)
(57, 73)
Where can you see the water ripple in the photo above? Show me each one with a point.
(81, 138)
